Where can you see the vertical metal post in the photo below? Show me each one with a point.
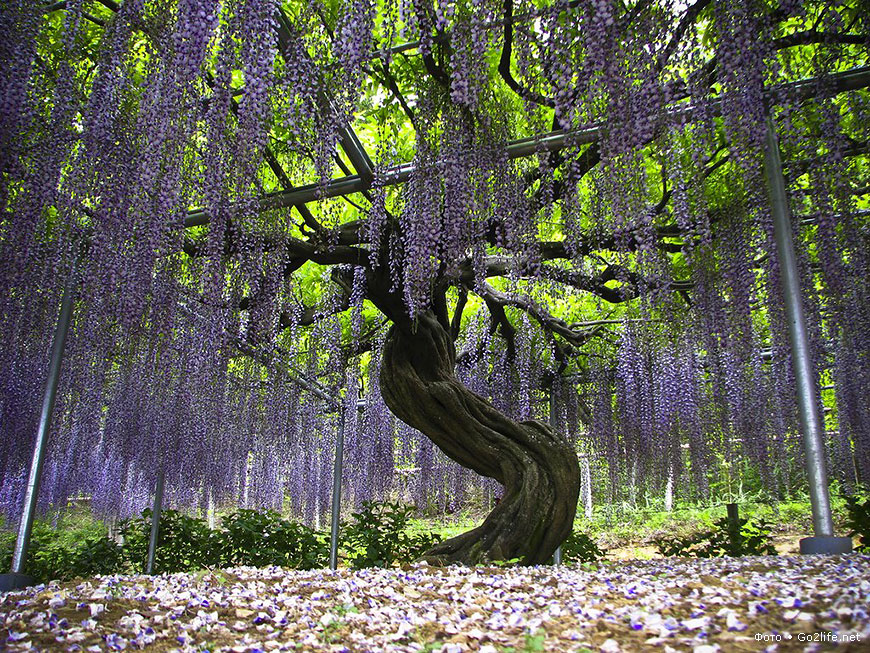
(557, 554)
(155, 523)
(31, 495)
(810, 420)
(210, 511)
(336, 491)
(586, 476)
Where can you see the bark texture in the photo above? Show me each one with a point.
(538, 469)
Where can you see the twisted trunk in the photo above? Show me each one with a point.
(538, 469)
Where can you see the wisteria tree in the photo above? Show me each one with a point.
(459, 198)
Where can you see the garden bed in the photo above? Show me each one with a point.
(728, 604)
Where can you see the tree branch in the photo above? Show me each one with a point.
(495, 298)
(501, 324)
(435, 70)
(456, 322)
(504, 64)
(688, 18)
(439, 302)
(390, 82)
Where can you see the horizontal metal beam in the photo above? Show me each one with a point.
(556, 140)
(400, 174)
(357, 154)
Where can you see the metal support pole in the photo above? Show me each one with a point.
(586, 478)
(557, 554)
(155, 523)
(810, 420)
(336, 491)
(25, 526)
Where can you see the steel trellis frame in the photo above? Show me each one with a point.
(854, 79)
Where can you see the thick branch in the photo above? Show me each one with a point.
(502, 324)
(435, 70)
(504, 64)
(439, 302)
(298, 251)
(456, 322)
(686, 21)
(597, 284)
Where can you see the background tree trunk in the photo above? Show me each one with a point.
(538, 469)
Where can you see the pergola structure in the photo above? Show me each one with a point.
(507, 239)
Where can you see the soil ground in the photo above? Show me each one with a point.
(774, 603)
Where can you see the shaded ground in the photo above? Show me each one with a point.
(742, 604)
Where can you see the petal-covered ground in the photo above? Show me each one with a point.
(727, 604)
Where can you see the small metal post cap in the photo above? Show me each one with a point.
(826, 544)
(10, 582)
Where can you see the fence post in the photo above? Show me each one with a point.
(733, 525)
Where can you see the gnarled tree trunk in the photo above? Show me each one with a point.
(538, 469)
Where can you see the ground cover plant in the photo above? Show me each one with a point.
(65, 554)
(184, 542)
(579, 548)
(623, 526)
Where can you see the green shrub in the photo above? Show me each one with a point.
(858, 521)
(579, 547)
(53, 558)
(184, 543)
(64, 552)
(264, 538)
(748, 538)
(100, 555)
(379, 536)
(7, 544)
